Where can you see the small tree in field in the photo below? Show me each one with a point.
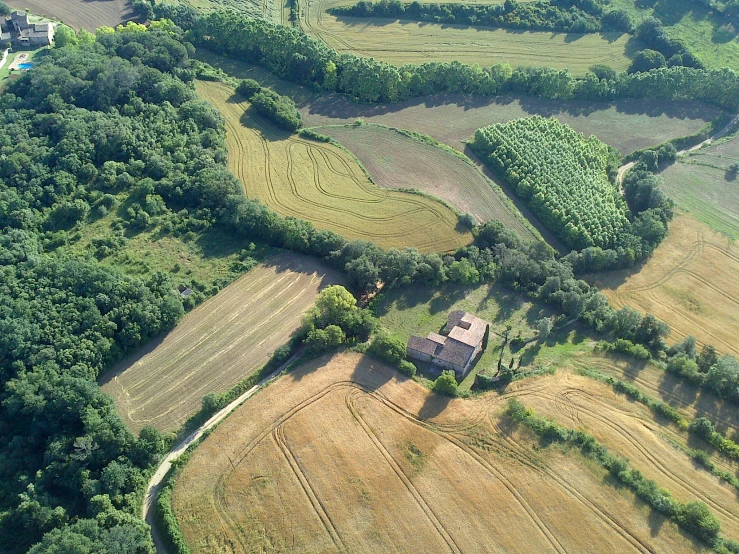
(544, 327)
(446, 383)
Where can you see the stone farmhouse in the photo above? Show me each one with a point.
(19, 30)
(464, 338)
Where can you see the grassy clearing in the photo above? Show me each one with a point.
(323, 184)
(400, 42)
(356, 459)
(626, 125)
(690, 282)
(397, 160)
(701, 184)
(80, 13)
(419, 310)
(216, 345)
(704, 31)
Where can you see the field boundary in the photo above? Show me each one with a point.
(429, 141)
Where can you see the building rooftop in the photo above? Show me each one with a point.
(466, 328)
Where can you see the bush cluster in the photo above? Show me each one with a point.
(277, 107)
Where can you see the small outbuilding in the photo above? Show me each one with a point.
(464, 337)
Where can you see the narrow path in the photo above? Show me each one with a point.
(155, 483)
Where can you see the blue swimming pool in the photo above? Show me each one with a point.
(25, 65)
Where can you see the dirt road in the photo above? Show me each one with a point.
(155, 483)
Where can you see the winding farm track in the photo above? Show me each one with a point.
(306, 442)
(155, 482)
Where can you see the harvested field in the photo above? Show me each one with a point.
(629, 429)
(400, 42)
(345, 455)
(80, 14)
(323, 184)
(702, 184)
(626, 125)
(396, 160)
(690, 282)
(221, 342)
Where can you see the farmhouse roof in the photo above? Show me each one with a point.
(464, 331)
(466, 328)
(455, 353)
(422, 345)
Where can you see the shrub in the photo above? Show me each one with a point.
(645, 60)
(278, 108)
(696, 518)
(248, 88)
(320, 340)
(446, 383)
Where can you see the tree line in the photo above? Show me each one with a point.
(567, 16)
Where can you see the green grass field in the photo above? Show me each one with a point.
(627, 125)
(419, 310)
(400, 42)
(324, 184)
(397, 160)
(704, 31)
(701, 184)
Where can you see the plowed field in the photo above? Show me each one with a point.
(343, 455)
(325, 185)
(217, 344)
(690, 281)
(80, 14)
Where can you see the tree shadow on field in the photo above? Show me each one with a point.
(433, 406)
(373, 374)
(132, 359)
(444, 301)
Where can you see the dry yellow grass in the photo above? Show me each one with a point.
(345, 455)
(323, 184)
(691, 282)
(216, 345)
(400, 42)
(630, 429)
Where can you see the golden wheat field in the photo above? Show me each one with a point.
(323, 184)
(691, 282)
(344, 455)
(400, 42)
(216, 345)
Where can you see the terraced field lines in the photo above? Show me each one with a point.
(323, 184)
(80, 13)
(336, 446)
(689, 282)
(218, 344)
(400, 42)
(396, 160)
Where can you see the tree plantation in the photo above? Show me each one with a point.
(564, 179)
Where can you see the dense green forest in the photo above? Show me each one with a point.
(90, 122)
(569, 16)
